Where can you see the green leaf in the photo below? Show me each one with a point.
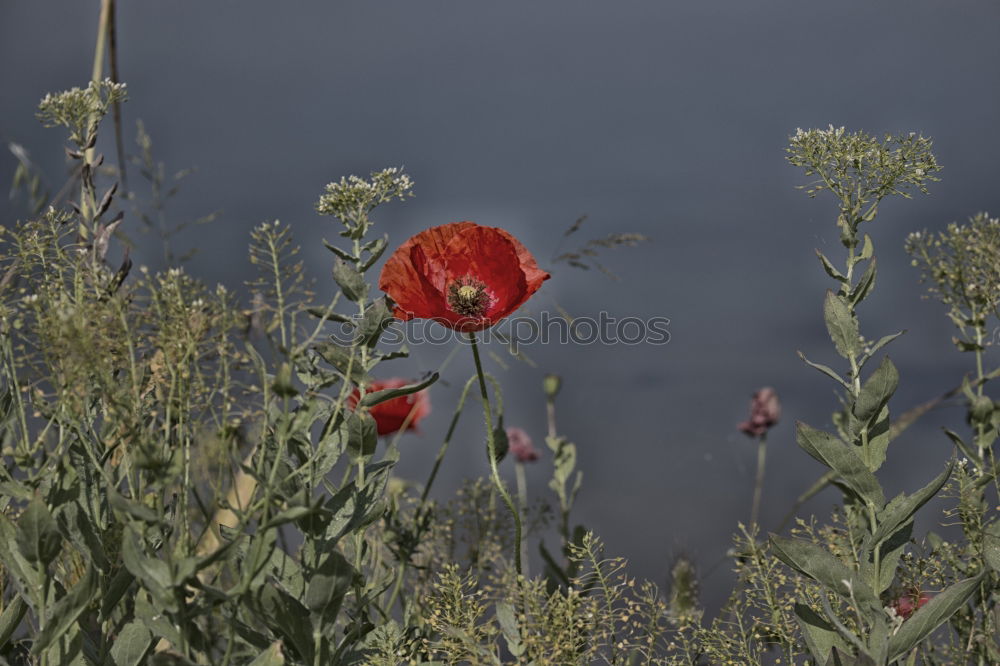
(841, 458)
(882, 342)
(151, 615)
(991, 546)
(328, 450)
(826, 370)
(66, 611)
(344, 359)
(83, 533)
(864, 285)
(272, 656)
(877, 647)
(876, 391)
(38, 536)
(327, 586)
(375, 250)
(132, 508)
(842, 325)
(376, 397)
(840, 657)
(11, 618)
(25, 575)
(342, 254)
(820, 635)
(932, 615)
(892, 550)
(902, 508)
(507, 619)
(828, 267)
(132, 644)
(960, 444)
(564, 463)
(867, 249)
(115, 590)
(287, 617)
(271, 562)
(812, 560)
(878, 439)
(362, 435)
(350, 281)
(152, 572)
(375, 321)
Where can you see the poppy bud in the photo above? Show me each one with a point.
(765, 410)
(552, 384)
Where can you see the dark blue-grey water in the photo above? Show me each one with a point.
(663, 118)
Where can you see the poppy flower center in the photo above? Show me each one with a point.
(468, 297)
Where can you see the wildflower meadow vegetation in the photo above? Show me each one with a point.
(192, 475)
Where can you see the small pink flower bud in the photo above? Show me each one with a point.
(765, 410)
(521, 446)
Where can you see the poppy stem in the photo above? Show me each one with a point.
(758, 486)
(490, 453)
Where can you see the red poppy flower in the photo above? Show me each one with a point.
(392, 414)
(907, 604)
(462, 275)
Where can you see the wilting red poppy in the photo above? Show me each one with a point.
(907, 604)
(392, 414)
(521, 446)
(765, 410)
(462, 275)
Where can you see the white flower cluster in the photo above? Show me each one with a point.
(860, 168)
(80, 109)
(353, 197)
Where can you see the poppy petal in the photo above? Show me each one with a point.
(533, 275)
(487, 255)
(414, 275)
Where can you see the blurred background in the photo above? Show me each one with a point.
(668, 119)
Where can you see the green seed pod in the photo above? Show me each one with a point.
(552, 384)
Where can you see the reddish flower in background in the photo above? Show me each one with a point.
(392, 414)
(521, 446)
(906, 605)
(765, 410)
(462, 275)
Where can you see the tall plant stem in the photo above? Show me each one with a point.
(490, 449)
(758, 484)
(97, 70)
(522, 501)
(444, 445)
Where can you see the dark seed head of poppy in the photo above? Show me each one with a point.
(468, 297)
